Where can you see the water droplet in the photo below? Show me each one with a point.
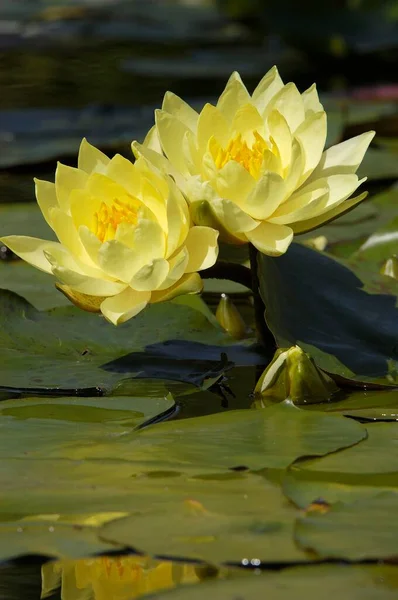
(51, 529)
(245, 562)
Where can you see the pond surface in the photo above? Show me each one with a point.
(98, 69)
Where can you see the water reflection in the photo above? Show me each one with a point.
(114, 578)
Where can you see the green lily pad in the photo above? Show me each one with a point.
(240, 519)
(365, 529)
(65, 348)
(358, 472)
(375, 405)
(380, 246)
(350, 333)
(54, 540)
(126, 412)
(331, 581)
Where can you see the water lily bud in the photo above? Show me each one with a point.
(253, 166)
(293, 374)
(390, 267)
(230, 318)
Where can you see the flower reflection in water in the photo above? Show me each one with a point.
(109, 578)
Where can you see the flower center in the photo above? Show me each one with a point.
(250, 157)
(108, 218)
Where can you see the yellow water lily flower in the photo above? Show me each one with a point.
(125, 236)
(254, 166)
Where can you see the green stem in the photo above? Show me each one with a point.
(264, 335)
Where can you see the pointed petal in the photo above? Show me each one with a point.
(177, 268)
(67, 234)
(301, 206)
(46, 197)
(151, 277)
(279, 132)
(232, 217)
(311, 100)
(202, 247)
(211, 123)
(265, 198)
(233, 97)
(246, 119)
(124, 306)
(171, 133)
(345, 157)
(271, 239)
(82, 301)
(149, 240)
(151, 140)
(119, 261)
(188, 284)
(268, 87)
(68, 179)
(312, 137)
(31, 250)
(86, 285)
(234, 182)
(123, 172)
(204, 213)
(91, 159)
(329, 216)
(178, 220)
(176, 106)
(289, 103)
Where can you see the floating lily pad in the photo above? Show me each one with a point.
(343, 582)
(358, 472)
(64, 349)
(126, 412)
(19, 538)
(375, 405)
(362, 530)
(350, 333)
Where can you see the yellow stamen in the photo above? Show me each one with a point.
(109, 217)
(250, 157)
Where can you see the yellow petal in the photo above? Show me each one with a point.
(91, 159)
(177, 268)
(328, 217)
(311, 100)
(246, 119)
(211, 123)
(344, 158)
(265, 198)
(151, 277)
(83, 301)
(90, 242)
(119, 261)
(46, 197)
(271, 239)
(188, 284)
(149, 240)
(178, 220)
(83, 207)
(31, 249)
(234, 182)
(196, 190)
(340, 188)
(158, 160)
(312, 136)
(268, 87)
(296, 168)
(301, 206)
(279, 132)
(171, 133)
(233, 97)
(289, 103)
(202, 247)
(68, 179)
(151, 140)
(203, 213)
(123, 172)
(232, 217)
(67, 234)
(180, 109)
(87, 285)
(124, 306)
